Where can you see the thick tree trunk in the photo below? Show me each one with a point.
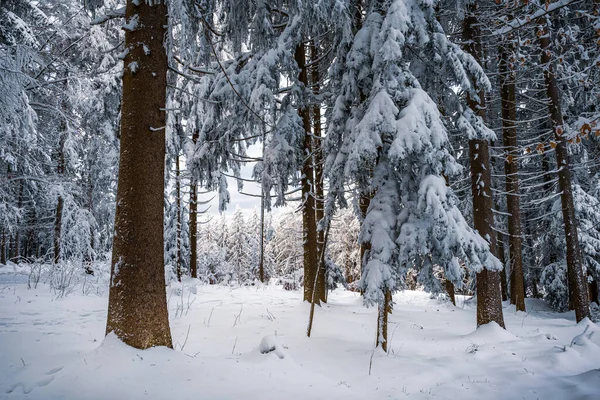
(489, 294)
(194, 220)
(577, 287)
(309, 224)
(511, 168)
(137, 305)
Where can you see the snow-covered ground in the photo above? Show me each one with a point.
(54, 348)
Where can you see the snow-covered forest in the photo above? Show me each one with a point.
(424, 187)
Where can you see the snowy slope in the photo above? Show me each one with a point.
(55, 349)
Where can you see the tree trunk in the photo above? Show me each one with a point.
(261, 255)
(592, 288)
(364, 200)
(450, 290)
(502, 259)
(178, 210)
(309, 225)
(194, 219)
(137, 304)
(59, 207)
(577, 287)
(511, 168)
(383, 313)
(3, 247)
(489, 294)
(318, 162)
(16, 243)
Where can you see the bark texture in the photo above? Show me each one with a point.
(137, 307)
(511, 169)
(194, 220)
(178, 210)
(577, 286)
(309, 223)
(489, 295)
(318, 166)
(502, 258)
(383, 313)
(3, 247)
(60, 169)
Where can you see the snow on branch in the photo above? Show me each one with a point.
(111, 14)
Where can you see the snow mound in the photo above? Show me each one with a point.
(491, 333)
(271, 344)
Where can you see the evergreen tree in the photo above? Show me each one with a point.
(137, 307)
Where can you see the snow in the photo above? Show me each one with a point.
(250, 343)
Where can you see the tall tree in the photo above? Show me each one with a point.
(577, 286)
(509, 136)
(194, 219)
(314, 285)
(137, 307)
(489, 295)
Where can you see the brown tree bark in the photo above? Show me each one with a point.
(137, 304)
(309, 224)
(178, 209)
(489, 295)
(194, 219)
(511, 169)
(3, 247)
(15, 250)
(592, 289)
(318, 163)
(60, 169)
(576, 282)
(383, 313)
(450, 290)
(502, 258)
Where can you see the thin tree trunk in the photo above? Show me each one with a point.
(309, 225)
(511, 168)
(3, 247)
(16, 244)
(502, 259)
(383, 313)
(194, 219)
(59, 206)
(321, 264)
(577, 287)
(178, 209)
(592, 288)
(137, 304)
(489, 294)
(450, 290)
(318, 162)
(363, 205)
(261, 255)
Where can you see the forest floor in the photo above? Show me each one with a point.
(54, 348)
